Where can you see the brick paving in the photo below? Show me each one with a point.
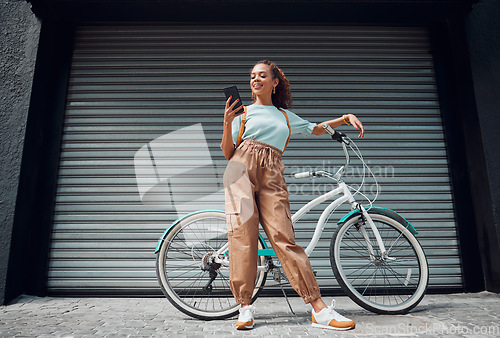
(455, 315)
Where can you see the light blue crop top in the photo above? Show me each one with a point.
(267, 124)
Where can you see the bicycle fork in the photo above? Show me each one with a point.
(383, 252)
(365, 216)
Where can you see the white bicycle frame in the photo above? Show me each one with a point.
(347, 196)
(320, 226)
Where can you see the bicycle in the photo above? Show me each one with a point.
(374, 254)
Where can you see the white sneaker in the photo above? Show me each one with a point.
(330, 319)
(245, 319)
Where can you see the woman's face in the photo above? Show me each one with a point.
(261, 80)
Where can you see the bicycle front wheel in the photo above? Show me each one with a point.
(188, 276)
(391, 285)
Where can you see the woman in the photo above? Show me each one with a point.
(256, 192)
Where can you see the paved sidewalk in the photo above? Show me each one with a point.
(456, 315)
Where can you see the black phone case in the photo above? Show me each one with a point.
(233, 91)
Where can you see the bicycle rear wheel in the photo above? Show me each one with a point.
(393, 285)
(192, 282)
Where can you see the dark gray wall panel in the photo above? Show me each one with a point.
(19, 35)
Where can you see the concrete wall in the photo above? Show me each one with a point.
(483, 35)
(19, 36)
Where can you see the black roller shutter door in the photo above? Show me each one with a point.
(133, 84)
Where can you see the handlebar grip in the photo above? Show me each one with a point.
(329, 129)
(302, 175)
(337, 136)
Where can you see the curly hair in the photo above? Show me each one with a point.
(283, 96)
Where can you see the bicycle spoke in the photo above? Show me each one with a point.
(188, 262)
(383, 283)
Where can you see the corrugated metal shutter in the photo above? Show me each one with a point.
(134, 84)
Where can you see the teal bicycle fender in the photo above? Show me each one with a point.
(165, 233)
(381, 211)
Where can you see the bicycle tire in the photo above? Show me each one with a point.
(179, 268)
(391, 286)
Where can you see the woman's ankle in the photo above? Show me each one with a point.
(318, 305)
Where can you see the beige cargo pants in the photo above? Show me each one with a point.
(255, 191)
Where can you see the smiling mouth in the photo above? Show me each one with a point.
(257, 85)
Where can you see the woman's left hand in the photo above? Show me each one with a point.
(356, 123)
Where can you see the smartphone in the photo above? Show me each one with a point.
(233, 91)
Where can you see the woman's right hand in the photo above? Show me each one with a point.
(227, 139)
(230, 112)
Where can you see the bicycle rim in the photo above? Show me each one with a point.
(183, 275)
(388, 286)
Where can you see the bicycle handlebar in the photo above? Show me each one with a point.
(339, 137)
(305, 174)
(302, 175)
(336, 135)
